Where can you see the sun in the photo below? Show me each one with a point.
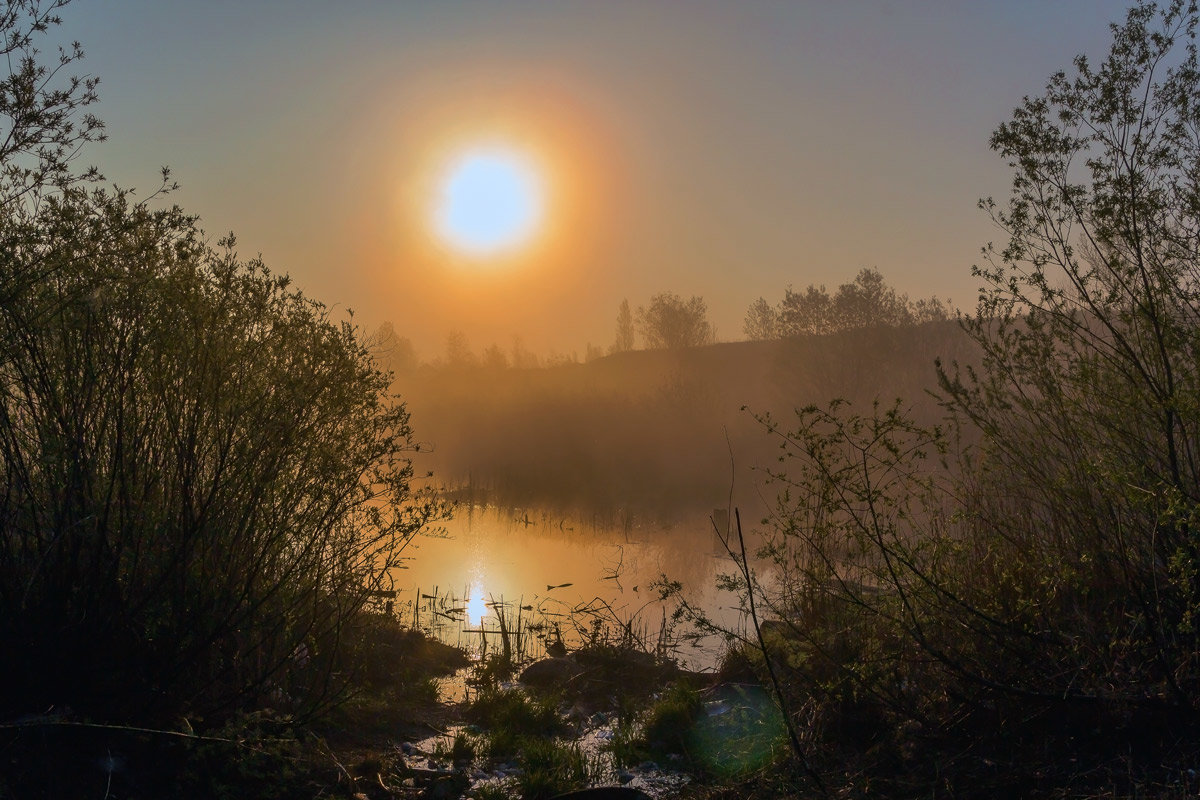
(491, 201)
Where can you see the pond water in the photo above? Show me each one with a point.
(528, 578)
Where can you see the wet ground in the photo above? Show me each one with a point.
(427, 758)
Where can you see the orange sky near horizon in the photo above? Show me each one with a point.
(702, 147)
(577, 162)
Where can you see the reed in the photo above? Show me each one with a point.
(520, 632)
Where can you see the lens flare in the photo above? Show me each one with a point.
(742, 731)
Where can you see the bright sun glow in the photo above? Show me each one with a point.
(476, 609)
(491, 200)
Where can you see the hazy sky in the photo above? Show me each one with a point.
(726, 149)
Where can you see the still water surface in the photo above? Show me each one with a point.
(554, 575)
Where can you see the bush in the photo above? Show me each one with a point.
(1008, 601)
(202, 475)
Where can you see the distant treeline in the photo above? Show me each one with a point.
(865, 301)
(670, 322)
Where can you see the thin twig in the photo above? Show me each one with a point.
(744, 565)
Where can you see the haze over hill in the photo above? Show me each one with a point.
(658, 431)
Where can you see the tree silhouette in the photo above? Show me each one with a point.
(624, 339)
(865, 302)
(672, 323)
(458, 351)
(762, 321)
(869, 301)
(202, 474)
(807, 312)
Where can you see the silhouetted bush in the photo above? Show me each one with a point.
(201, 474)
(1006, 604)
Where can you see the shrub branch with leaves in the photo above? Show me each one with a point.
(202, 475)
(1004, 602)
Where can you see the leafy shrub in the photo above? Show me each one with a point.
(203, 477)
(1017, 587)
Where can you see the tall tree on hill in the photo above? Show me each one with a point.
(624, 329)
(807, 312)
(868, 301)
(458, 351)
(762, 322)
(391, 351)
(672, 323)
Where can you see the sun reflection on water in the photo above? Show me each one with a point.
(543, 573)
(476, 606)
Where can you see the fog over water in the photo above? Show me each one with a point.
(606, 475)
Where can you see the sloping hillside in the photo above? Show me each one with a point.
(656, 430)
